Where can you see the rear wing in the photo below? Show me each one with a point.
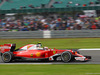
(5, 48)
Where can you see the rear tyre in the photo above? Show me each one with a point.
(66, 56)
(6, 57)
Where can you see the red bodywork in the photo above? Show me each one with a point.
(31, 51)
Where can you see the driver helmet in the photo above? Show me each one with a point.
(39, 44)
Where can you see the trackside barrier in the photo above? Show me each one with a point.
(21, 34)
(50, 34)
(75, 33)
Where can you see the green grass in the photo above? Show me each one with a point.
(49, 69)
(58, 43)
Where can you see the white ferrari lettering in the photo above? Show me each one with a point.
(6, 47)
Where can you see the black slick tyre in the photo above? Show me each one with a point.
(6, 57)
(66, 56)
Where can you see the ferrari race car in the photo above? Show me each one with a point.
(36, 52)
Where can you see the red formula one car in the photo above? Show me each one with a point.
(36, 52)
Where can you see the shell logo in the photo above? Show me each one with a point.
(38, 54)
(31, 55)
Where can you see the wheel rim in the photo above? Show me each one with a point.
(66, 57)
(6, 57)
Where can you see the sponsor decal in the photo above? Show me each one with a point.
(80, 58)
(38, 54)
(54, 52)
(5, 47)
(31, 55)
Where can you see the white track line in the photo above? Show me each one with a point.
(93, 49)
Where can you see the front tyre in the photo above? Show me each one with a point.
(6, 57)
(66, 56)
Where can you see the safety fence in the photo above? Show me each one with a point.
(50, 34)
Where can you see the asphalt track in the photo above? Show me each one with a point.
(95, 54)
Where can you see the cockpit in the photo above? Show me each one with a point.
(31, 47)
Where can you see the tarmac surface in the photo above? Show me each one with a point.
(95, 54)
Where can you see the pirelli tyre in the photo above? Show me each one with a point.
(7, 57)
(66, 56)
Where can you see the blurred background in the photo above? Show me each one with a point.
(38, 15)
